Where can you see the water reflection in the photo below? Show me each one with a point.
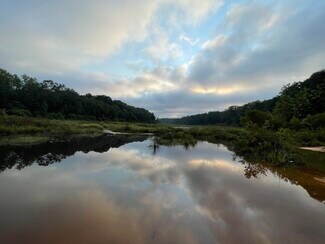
(129, 195)
(55, 151)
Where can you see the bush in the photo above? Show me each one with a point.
(2, 113)
(295, 124)
(55, 116)
(19, 112)
(306, 138)
(321, 135)
(262, 145)
(255, 117)
(316, 121)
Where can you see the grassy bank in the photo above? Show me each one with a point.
(16, 130)
(22, 140)
(189, 137)
(26, 130)
(15, 125)
(255, 144)
(312, 160)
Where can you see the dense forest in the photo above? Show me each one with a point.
(25, 96)
(294, 103)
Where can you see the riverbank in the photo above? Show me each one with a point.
(314, 149)
(27, 130)
(278, 148)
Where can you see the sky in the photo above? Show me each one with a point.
(172, 57)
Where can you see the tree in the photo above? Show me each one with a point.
(26, 96)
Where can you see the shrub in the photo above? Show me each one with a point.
(320, 135)
(295, 124)
(19, 112)
(255, 117)
(306, 137)
(2, 113)
(316, 121)
(262, 145)
(55, 116)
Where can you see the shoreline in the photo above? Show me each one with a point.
(314, 149)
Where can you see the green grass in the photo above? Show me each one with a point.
(253, 144)
(313, 160)
(22, 140)
(13, 125)
(136, 127)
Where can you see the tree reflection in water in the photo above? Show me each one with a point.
(55, 151)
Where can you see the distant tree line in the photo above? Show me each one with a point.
(25, 96)
(230, 116)
(298, 102)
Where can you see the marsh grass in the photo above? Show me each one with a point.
(22, 140)
(314, 160)
(178, 138)
(13, 125)
(253, 144)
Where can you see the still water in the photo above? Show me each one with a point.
(120, 190)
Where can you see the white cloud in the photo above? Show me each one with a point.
(160, 79)
(189, 40)
(161, 49)
(64, 35)
(261, 45)
(214, 43)
(195, 11)
(254, 46)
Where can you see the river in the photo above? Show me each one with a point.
(118, 189)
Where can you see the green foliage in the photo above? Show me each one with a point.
(313, 160)
(302, 98)
(315, 121)
(22, 140)
(306, 138)
(295, 123)
(54, 116)
(178, 138)
(19, 112)
(256, 117)
(230, 116)
(262, 145)
(26, 96)
(295, 101)
(273, 128)
(3, 113)
(11, 125)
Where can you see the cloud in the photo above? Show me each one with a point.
(258, 42)
(53, 36)
(241, 51)
(145, 82)
(183, 101)
(162, 49)
(189, 40)
(214, 43)
(64, 35)
(194, 11)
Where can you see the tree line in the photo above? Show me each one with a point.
(295, 102)
(25, 96)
